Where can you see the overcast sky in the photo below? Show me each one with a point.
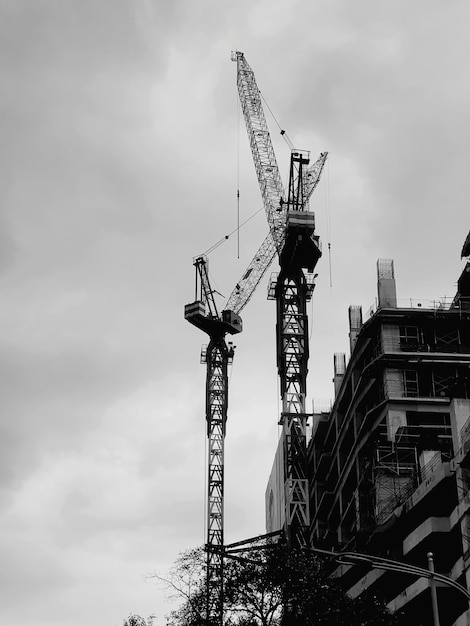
(121, 152)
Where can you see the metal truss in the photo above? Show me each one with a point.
(283, 217)
(292, 348)
(267, 171)
(218, 356)
(247, 284)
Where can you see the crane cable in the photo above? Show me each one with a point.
(239, 226)
(283, 132)
(225, 237)
(326, 186)
(206, 460)
(328, 218)
(238, 178)
(239, 108)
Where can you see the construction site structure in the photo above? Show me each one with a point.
(217, 356)
(291, 290)
(292, 236)
(389, 462)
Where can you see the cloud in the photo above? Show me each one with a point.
(121, 157)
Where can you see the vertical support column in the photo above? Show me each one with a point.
(292, 356)
(355, 325)
(216, 415)
(386, 287)
(432, 584)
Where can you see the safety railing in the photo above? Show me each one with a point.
(405, 490)
(443, 303)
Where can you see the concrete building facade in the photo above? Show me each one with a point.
(389, 465)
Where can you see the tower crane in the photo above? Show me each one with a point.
(217, 356)
(292, 232)
(291, 236)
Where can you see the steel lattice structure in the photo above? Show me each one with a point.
(292, 291)
(291, 236)
(292, 349)
(267, 171)
(218, 356)
(270, 183)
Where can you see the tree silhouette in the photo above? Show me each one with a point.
(270, 585)
(136, 620)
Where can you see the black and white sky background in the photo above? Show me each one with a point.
(119, 155)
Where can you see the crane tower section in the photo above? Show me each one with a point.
(292, 288)
(292, 236)
(217, 356)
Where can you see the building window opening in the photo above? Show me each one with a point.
(410, 379)
(410, 338)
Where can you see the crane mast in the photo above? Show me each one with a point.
(292, 291)
(292, 236)
(217, 356)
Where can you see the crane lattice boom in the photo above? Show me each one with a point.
(292, 236)
(312, 177)
(247, 284)
(267, 171)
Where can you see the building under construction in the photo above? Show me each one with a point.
(389, 464)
